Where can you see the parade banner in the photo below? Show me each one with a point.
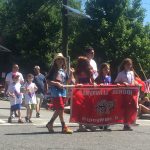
(104, 105)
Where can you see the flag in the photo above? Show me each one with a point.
(104, 105)
(30, 94)
(140, 82)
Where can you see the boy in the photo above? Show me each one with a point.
(15, 97)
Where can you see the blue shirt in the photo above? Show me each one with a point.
(104, 79)
(60, 76)
(40, 81)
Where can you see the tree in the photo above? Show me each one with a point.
(33, 30)
(116, 32)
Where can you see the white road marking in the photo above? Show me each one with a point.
(36, 122)
(2, 121)
(42, 122)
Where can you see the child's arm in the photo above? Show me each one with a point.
(11, 94)
(55, 83)
(35, 88)
(71, 78)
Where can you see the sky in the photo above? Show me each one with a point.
(145, 4)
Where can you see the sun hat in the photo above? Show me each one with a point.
(59, 55)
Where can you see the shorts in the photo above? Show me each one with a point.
(59, 103)
(31, 106)
(39, 98)
(16, 107)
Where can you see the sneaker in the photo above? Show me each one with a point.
(106, 128)
(82, 128)
(91, 128)
(101, 127)
(13, 116)
(127, 128)
(20, 121)
(37, 115)
(30, 121)
(9, 120)
(67, 130)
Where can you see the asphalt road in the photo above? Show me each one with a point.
(36, 137)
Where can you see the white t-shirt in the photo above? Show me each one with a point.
(125, 76)
(10, 80)
(94, 66)
(30, 97)
(14, 88)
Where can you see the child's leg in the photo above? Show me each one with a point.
(143, 109)
(65, 129)
(49, 125)
(19, 114)
(30, 115)
(55, 115)
(28, 111)
(61, 117)
(10, 117)
(11, 113)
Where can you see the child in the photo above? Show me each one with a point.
(57, 77)
(84, 75)
(30, 97)
(104, 74)
(126, 76)
(84, 71)
(15, 97)
(104, 78)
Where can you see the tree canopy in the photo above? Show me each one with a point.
(33, 31)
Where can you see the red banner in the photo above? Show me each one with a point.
(103, 105)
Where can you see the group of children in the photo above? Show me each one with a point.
(57, 78)
(17, 92)
(83, 74)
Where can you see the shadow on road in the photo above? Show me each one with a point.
(5, 108)
(32, 133)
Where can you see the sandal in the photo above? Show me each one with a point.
(67, 130)
(20, 121)
(49, 126)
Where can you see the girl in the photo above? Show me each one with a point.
(104, 74)
(30, 97)
(57, 77)
(84, 72)
(104, 78)
(126, 76)
(84, 75)
(15, 97)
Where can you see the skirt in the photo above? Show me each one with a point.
(59, 103)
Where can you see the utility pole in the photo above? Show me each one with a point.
(65, 34)
(65, 29)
